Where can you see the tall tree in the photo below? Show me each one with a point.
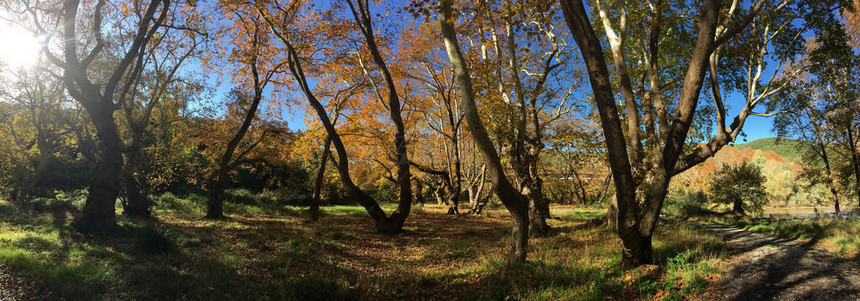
(279, 19)
(250, 46)
(643, 163)
(821, 105)
(511, 198)
(41, 99)
(98, 92)
(161, 79)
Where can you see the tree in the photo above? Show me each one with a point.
(251, 44)
(821, 106)
(643, 163)
(40, 99)
(444, 118)
(278, 19)
(160, 80)
(101, 96)
(578, 164)
(324, 160)
(741, 186)
(511, 198)
(526, 75)
(803, 121)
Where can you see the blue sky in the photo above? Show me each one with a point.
(755, 127)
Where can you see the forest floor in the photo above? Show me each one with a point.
(260, 255)
(771, 267)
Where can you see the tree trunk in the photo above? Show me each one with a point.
(510, 197)
(215, 205)
(384, 224)
(538, 204)
(438, 193)
(525, 156)
(738, 206)
(137, 204)
(404, 178)
(579, 187)
(315, 201)
(453, 202)
(46, 160)
(580, 27)
(612, 213)
(417, 192)
(475, 202)
(458, 174)
(538, 210)
(99, 212)
(855, 162)
(822, 149)
(218, 183)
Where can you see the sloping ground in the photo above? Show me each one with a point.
(769, 267)
(784, 147)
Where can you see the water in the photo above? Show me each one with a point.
(806, 213)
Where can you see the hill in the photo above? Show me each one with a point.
(787, 148)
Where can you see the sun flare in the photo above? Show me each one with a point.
(18, 47)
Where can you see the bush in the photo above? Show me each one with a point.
(741, 186)
(245, 196)
(686, 203)
(168, 202)
(243, 209)
(61, 200)
(154, 239)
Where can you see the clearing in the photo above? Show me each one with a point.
(283, 256)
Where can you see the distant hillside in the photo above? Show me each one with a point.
(784, 147)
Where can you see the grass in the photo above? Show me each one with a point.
(282, 256)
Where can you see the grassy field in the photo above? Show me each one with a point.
(279, 255)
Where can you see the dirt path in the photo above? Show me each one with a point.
(768, 267)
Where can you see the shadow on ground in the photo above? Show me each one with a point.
(769, 267)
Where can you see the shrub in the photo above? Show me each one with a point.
(154, 239)
(244, 196)
(61, 200)
(741, 186)
(169, 202)
(686, 203)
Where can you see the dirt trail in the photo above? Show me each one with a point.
(768, 267)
